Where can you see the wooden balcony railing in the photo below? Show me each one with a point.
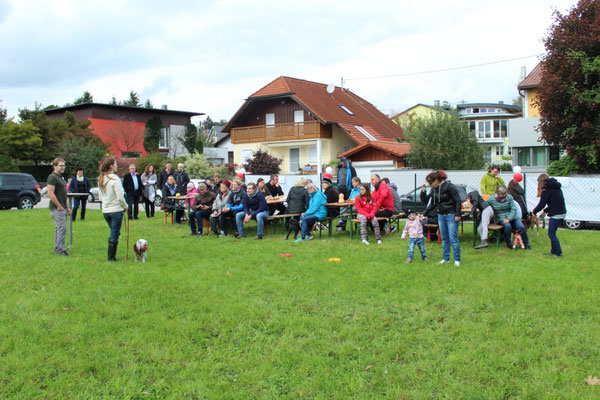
(278, 132)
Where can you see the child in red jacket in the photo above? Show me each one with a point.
(366, 209)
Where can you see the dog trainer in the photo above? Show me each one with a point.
(57, 191)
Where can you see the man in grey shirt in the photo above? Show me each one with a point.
(57, 192)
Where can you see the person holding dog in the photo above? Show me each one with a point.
(552, 202)
(57, 192)
(113, 203)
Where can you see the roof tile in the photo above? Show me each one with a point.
(532, 80)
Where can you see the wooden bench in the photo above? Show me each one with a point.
(278, 220)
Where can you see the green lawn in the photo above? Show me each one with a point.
(210, 318)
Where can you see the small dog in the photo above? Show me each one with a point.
(293, 225)
(139, 249)
(518, 241)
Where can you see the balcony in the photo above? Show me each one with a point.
(279, 132)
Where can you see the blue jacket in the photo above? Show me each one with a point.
(255, 204)
(316, 206)
(353, 193)
(236, 200)
(350, 173)
(552, 198)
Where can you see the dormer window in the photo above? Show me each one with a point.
(343, 107)
(364, 132)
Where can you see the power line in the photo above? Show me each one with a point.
(441, 70)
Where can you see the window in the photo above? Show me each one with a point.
(509, 150)
(488, 129)
(498, 150)
(312, 155)
(299, 116)
(539, 156)
(270, 119)
(504, 128)
(476, 111)
(364, 132)
(524, 156)
(472, 126)
(163, 142)
(343, 107)
(481, 129)
(496, 128)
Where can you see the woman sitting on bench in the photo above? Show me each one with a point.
(505, 211)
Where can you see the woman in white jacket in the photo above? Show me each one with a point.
(149, 183)
(113, 203)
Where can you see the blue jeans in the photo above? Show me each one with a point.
(198, 216)
(114, 220)
(518, 225)
(306, 224)
(449, 231)
(554, 243)
(411, 247)
(260, 222)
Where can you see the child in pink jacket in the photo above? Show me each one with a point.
(414, 230)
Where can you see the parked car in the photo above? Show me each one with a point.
(412, 199)
(18, 190)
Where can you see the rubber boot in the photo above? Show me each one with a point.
(112, 251)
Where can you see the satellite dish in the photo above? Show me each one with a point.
(330, 88)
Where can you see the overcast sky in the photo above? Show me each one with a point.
(208, 56)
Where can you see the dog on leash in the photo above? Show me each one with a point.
(534, 221)
(293, 225)
(139, 248)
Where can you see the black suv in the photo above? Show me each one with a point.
(18, 190)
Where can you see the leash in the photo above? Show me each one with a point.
(127, 225)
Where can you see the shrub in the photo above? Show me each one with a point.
(155, 159)
(563, 167)
(263, 163)
(507, 167)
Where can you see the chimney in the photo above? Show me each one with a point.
(436, 103)
(163, 107)
(501, 102)
(523, 73)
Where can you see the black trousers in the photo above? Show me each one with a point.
(76, 202)
(133, 204)
(149, 208)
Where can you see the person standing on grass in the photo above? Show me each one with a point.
(149, 184)
(182, 179)
(551, 197)
(113, 203)
(57, 192)
(490, 181)
(345, 173)
(414, 230)
(505, 211)
(132, 183)
(316, 212)
(446, 201)
(366, 209)
(255, 207)
(79, 184)
(164, 175)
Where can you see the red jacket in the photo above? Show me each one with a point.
(365, 207)
(383, 197)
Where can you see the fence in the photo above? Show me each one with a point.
(581, 192)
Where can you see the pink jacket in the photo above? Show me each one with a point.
(414, 228)
(190, 202)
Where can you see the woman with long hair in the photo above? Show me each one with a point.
(446, 201)
(552, 202)
(113, 203)
(149, 183)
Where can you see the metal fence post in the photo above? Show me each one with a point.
(415, 194)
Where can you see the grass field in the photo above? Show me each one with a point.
(210, 318)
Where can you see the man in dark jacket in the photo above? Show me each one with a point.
(79, 184)
(132, 184)
(164, 175)
(332, 197)
(345, 174)
(182, 179)
(275, 191)
(255, 207)
(202, 208)
(482, 209)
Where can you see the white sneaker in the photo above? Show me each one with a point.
(275, 212)
(365, 242)
(443, 262)
(457, 263)
(379, 241)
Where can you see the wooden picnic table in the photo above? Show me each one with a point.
(182, 198)
(338, 204)
(276, 200)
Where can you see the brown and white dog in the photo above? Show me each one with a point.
(139, 248)
(534, 221)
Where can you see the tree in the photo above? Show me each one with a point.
(86, 97)
(148, 104)
(125, 136)
(133, 101)
(79, 153)
(200, 145)
(207, 124)
(569, 91)
(152, 134)
(443, 141)
(263, 163)
(51, 138)
(113, 101)
(518, 101)
(190, 138)
(3, 114)
(19, 141)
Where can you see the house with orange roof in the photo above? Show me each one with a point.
(529, 151)
(308, 124)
